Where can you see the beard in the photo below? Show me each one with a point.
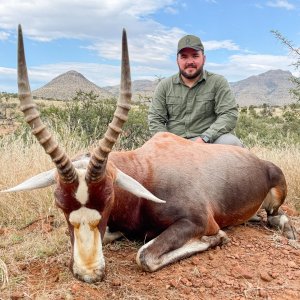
(192, 75)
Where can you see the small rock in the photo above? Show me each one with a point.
(273, 274)
(195, 261)
(208, 283)
(75, 288)
(239, 272)
(293, 265)
(203, 269)
(265, 276)
(286, 252)
(210, 256)
(280, 281)
(263, 294)
(297, 273)
(116, 282)
(173, 283)
(185, 281)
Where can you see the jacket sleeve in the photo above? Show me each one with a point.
(158, 114)
(226, 111)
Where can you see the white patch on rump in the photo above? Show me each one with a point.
(89, 261)
(82, 190)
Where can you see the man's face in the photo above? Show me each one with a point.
(190, 62)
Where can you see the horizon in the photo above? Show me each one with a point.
(236, 35)
(110, 86)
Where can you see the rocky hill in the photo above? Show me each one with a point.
(66, 85)
(142, 90)
(271, 87)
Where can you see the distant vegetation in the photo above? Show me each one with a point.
(269, 126)
(86, 117)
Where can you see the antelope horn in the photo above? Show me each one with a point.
(97, 164)
(63, 164)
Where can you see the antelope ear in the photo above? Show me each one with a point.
(36, 182)
(131, 185)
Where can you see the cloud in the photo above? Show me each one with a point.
(99, 24)
(225, 44)
(281, 4)
(153, 48)
(8, 72)
(4, 35)
(89, 19)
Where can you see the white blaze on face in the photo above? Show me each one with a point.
(89, 262)
(82, 190)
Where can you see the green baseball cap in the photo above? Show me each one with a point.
(190, 41)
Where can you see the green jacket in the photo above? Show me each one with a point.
(207, 109)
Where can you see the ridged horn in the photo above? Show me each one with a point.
(97, 164)
(63, 164)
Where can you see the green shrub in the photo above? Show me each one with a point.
(267, 130)
(86, 118)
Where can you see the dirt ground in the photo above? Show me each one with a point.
(257, 263)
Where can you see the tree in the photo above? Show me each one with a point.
(296, 51)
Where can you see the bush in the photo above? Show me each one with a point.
(267, 130)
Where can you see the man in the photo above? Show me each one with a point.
(195, 104)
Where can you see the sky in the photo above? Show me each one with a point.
(85, 36)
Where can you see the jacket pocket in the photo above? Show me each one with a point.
(174, 106)
(205, 104)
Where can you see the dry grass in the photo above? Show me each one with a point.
(288, 159)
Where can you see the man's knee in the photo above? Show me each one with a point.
(228, 139)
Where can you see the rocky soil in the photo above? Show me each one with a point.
(257, 263)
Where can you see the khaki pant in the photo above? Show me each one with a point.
(226, 139)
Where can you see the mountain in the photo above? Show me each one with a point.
(66, 85)
(142, 90)
(271, 87)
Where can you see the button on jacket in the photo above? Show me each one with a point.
(206, 109)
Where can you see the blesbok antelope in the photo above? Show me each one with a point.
(175, 193)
